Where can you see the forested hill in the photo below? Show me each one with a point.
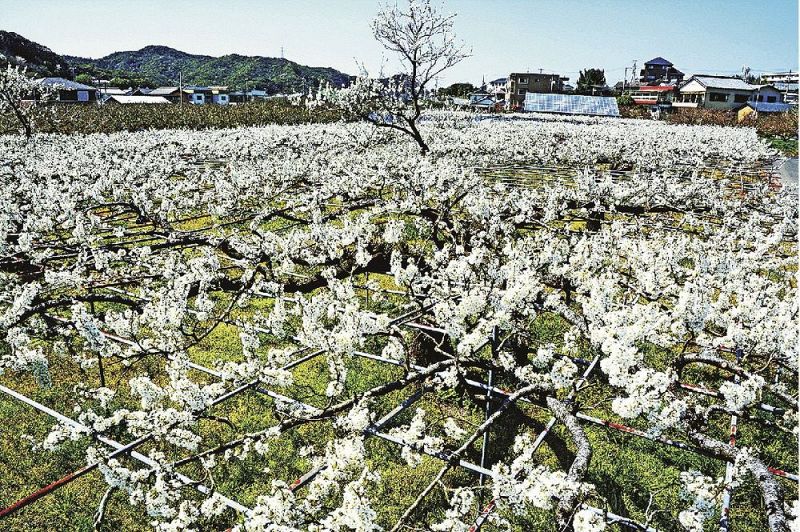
(38, 59)
(161, 65)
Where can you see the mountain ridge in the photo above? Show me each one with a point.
(158, 65)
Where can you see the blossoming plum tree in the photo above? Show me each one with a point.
(14, 87)
(352, 295)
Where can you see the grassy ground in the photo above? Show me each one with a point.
(626, 469)
(787, 146)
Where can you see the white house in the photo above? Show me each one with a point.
(714, 92)
(203, 95)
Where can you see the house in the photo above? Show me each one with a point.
(498, 88)
(141, 91)
(66, 91)
(652, 94)
(659, 70)
(103, 93)
(247, 96)
(714, 92)
(761, 108)
(219, 95)
(117, 99)
(108, 91)
(766, 94)
(200, 95)
(484, 101)
(172, 94)
(786, 82)
(520, 84)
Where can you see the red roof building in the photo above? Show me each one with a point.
(653, 94)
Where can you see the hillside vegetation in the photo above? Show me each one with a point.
(161, 65)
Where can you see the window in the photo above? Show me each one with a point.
(523, 81)
(521, 91)
(83, 96)
(772, 99)
(740, 98)
(717, 97)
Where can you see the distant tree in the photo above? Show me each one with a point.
(590, 77)
(422, 37)
(752, 79)
(458, 89)
(625, 100)
(86, 79)
(119, 82)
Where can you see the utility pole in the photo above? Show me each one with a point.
(633, 73)
(282, 57)
(180, 88)
(624, 78)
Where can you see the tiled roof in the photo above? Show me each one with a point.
(712, 82)
(163, 91)
(138, 99)
(658, 61)
(65, 84)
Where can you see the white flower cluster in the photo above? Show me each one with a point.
(703, 492)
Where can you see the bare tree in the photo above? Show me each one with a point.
(421, 35)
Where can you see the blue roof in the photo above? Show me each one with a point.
(658, 61)
(767, 107)
(570, 104)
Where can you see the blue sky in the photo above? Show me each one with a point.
(564, 36)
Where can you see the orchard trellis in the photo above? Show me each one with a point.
(340, 243)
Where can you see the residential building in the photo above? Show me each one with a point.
(104, 93)
(786, 82)
(172, 94)
(652, 94)
(766, 94)
(484, 101)
(498, 88)
(219, 95)
(520, 84)
(201, 95)
(659, 70)
(66, 91)
(108, 91)
(714, 92)
(116, 99)
(141, 91)
(250, 95)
